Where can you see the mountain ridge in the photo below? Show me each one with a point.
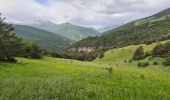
(45, 39)
(145, 30)
(67, 30)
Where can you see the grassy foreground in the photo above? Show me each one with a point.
(61, 79)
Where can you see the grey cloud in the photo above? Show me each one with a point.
(100, 13)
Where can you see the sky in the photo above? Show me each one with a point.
(90, 13)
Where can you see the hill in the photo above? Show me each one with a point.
(44, 39)
(122, 56)
(67, 30)
(50, 78)
(162, 13)
(146, 30)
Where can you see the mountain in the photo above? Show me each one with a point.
(67, 30)
(154, 18)
(105, 29)
(162, 13)
(146, 30)
(43, 38)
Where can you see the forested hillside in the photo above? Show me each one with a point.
(147, 30)
(44, 39)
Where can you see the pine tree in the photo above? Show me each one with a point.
(35, 51)
(10, 45)
(139, 54)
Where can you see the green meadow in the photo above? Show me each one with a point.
(62, 79)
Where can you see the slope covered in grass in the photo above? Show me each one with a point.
(122, 57)
(62, 79)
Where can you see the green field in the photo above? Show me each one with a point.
(61, 79)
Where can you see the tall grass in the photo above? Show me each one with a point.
(60, 79)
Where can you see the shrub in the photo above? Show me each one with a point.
(150, 58)
(56, 55)
(82, 56)
(142, 76)
(167, 62)
(125, 61)
(110, 70)
(143, 64)
(139, 54)
(33, 51)
(101, 54)
(130, 61)
(161, 50)
(147, 54)
(155, 63)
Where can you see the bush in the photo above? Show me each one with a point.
(101, 54)
(33, 51)
(155, 63)
(130, 61)
(110, 70)
(143, 64)
(56, 55)
(139, 54)
(150, 58)
(81, 56)
(167, 62)
(161, 50)
(147, 54)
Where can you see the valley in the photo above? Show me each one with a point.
(81, 50)
(51, 36)
(44, 39)
(53, 78)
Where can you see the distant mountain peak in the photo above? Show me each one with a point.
(45, 22)
(167, 9)
(142, 31)
(67, 23)
(41, 22)
(44, 38)
(67, 30)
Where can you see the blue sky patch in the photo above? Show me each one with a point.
(43, 2)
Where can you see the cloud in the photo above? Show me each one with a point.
(91, 13)
(22, 10)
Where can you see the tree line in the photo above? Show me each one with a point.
(12, 46)
(146, 33)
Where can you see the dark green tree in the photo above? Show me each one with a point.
(139, 54)
(161, 50)
(10, 45)
(33, 51)
(167, 62)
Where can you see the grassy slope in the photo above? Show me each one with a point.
(51, 78)
(116, 58)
